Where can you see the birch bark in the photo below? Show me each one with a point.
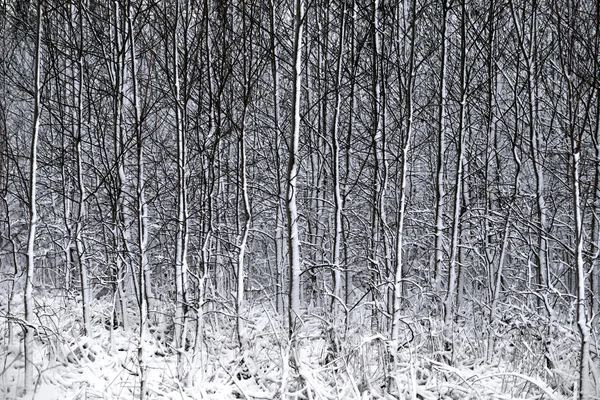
(33, 213)
(292, 173)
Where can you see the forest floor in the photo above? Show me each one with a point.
(524, 364)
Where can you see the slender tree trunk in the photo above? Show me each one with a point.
(441, 148)
(244, 234)
(247, 212)
(454, 244)
(348, 155)
(575, 135)
(378, 150)
(207, 221)
(141, 212)
(337, 195)
(585, 361)
(279, 207)
(585, 385)
(182, 235)
(406, 142)
(595, 138)
(121, 230)
(79, 241)
(292, 174)
(529, 52)
(496, 284)
(33, 214)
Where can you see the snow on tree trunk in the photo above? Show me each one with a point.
(280, 206)
(79, 243)
(454, 244)
(182, 235)
(292, 174)
(336, 299)
(33, 214)
(406, 142)
(141, 213)
(441, 148)
(585, 384)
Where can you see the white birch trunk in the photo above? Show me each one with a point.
(244, 235)
(585, 384)
(585, 390)
(280, 206)
(441, 148)
(33, 214)
(595, 229)
(397, 283)
(337, 195)
(141, 212)
(121, 230)
(247, 71)
(530, 56)
(207, 223)
(182, 236)
(454, 244)
(379, 173)
(292, 174)
(83, 272)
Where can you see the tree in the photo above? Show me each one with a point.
(142, 207)
(279, 205)
(292, 174)
(460, 144)
(407, 138)
(336, 297)
(528, 45)
(248, 73)
(182, 233)
(32, 199)
(441, 144)
(574, 119)
(79, 240)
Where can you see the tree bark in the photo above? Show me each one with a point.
(79, 241)
(292, 174)
(336, 297)
(141, 211)
(28, 341)
(441, 148)
(182, 235)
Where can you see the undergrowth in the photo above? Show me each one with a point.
(531, 360)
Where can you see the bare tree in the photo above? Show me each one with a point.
(527, 40)
(79, 240)
(142, 207)
(441, 144)
(407, 137)
(454, 241)
(182, 233)
(292, 174)
(29, 327)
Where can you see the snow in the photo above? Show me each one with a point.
(72, 366)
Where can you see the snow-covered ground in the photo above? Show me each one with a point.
(105, 366)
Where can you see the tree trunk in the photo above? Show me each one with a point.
(406, 142)
(141, 212)
(292, 174)
(182, 235)
(79, 241)
(454, 244)
(336, 297)
(279, 206)
(441, 148)
(33, 214)
(247, 212)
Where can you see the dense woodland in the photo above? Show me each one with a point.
(347, 198)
